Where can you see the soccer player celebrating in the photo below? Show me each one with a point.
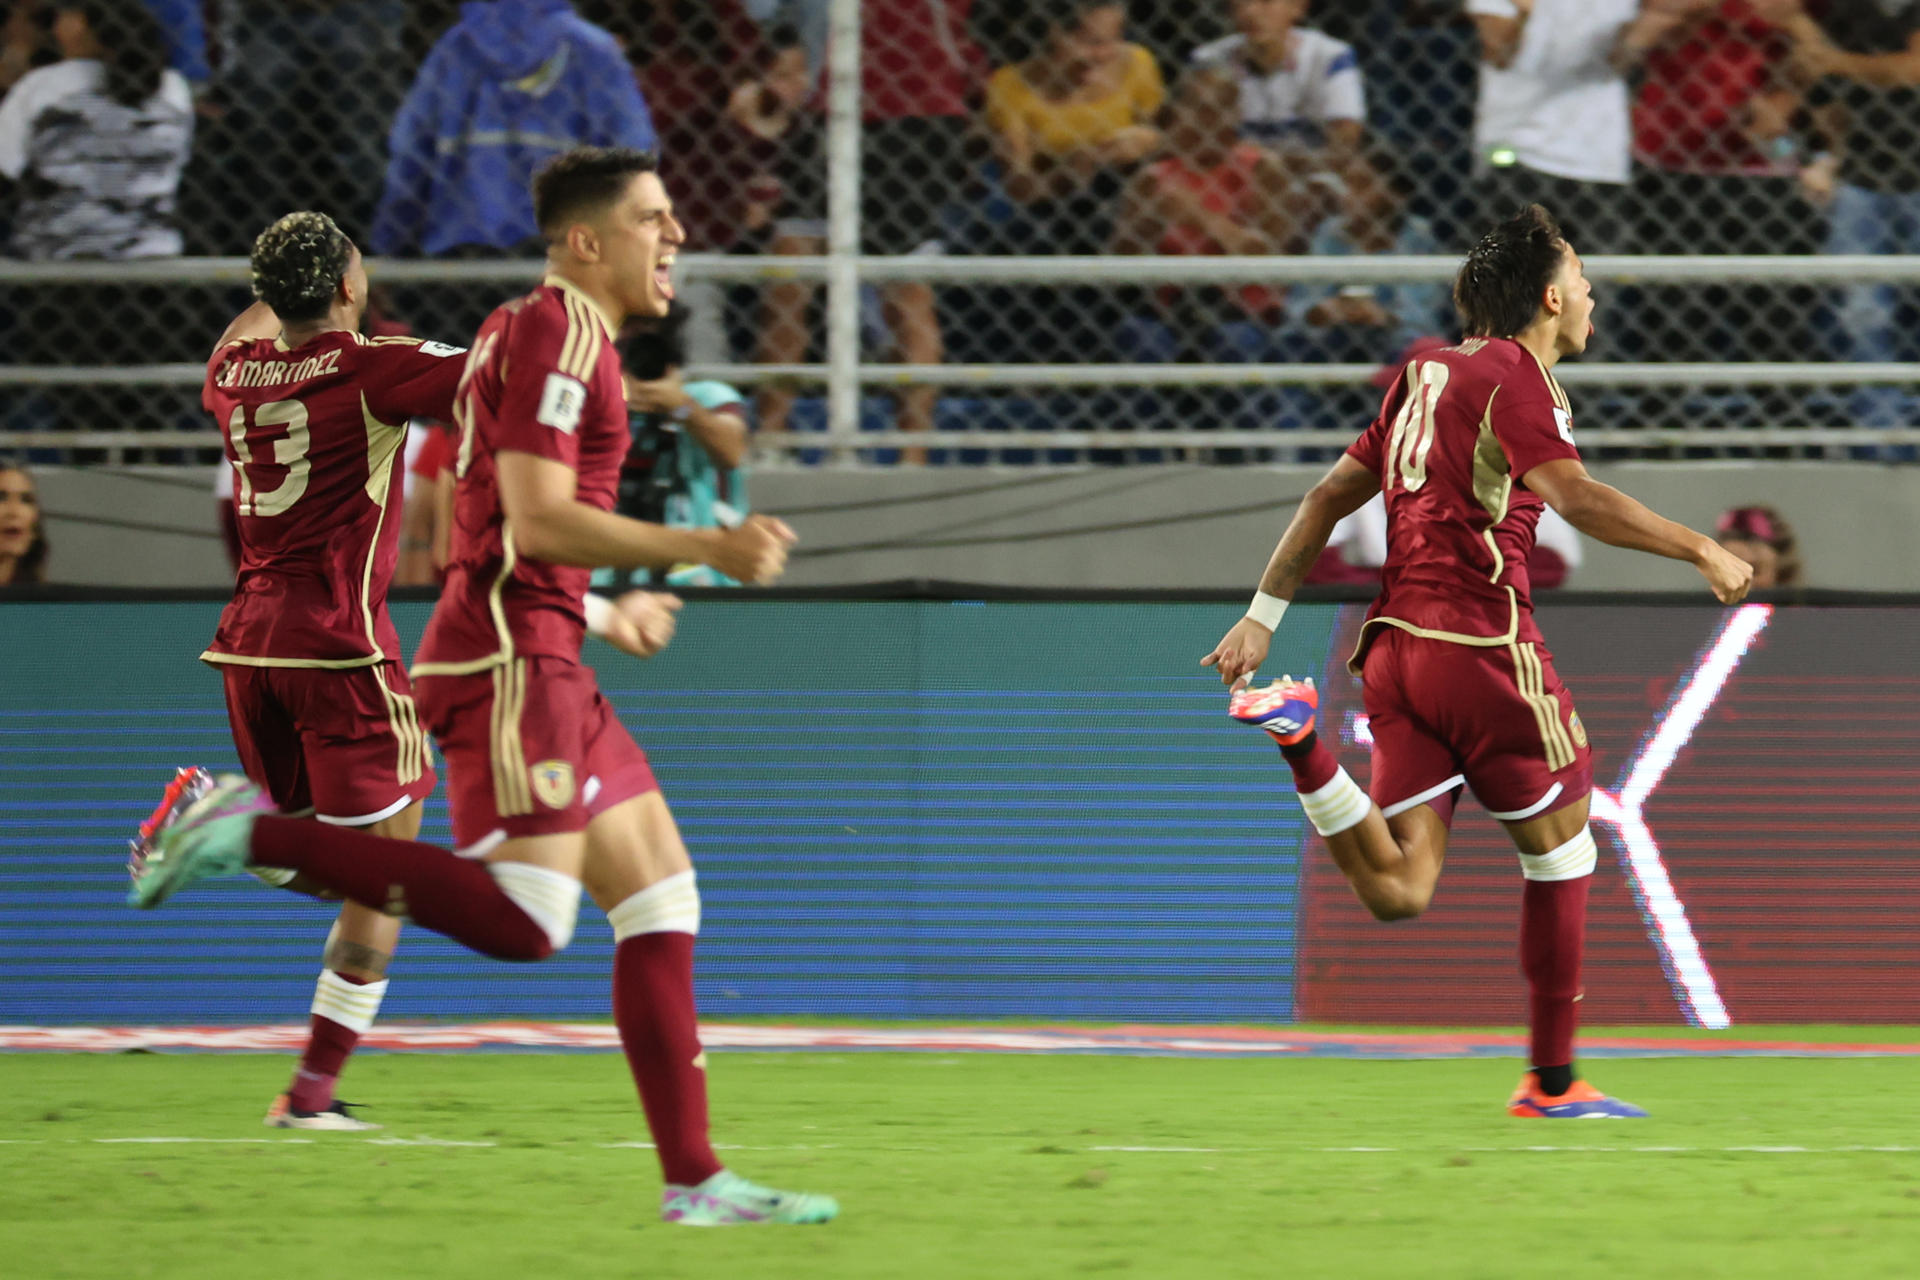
(323, 717)
(546, 788)
(1459, 687)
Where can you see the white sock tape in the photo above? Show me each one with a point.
(1338, 805)
(1576, 858)
(352, 1005)
(666, 906)
(550, 898)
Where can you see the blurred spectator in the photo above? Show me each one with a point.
(93, 148)
(300, 108)
(1071, 119)
(97, 141)
(1552, 124)
(1758, 535)
(184, 23)
(1300, 94)
(1369, 323)
(23, 531)
(1210, 194)
(1362, 323)
(919, 70)
(687, 466)
(21, 39)
(688, 56)
(808, 20)
(777, 162)
(1713, 122)
(512, 84)
(1865, 55)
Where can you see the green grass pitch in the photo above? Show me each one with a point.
(968, 1166)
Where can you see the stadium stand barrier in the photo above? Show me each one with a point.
(1214, 260)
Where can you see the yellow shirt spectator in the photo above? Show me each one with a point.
(1037, 125)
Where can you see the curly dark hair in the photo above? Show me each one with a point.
(298, 264)
(32, 564)
(582, 182)
(1498, 289)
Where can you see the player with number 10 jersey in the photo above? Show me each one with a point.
(1471, 443)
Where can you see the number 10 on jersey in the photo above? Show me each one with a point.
(1411, 437)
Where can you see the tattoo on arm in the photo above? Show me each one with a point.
(357, 957)
(1287, 569)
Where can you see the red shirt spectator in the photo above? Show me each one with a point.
(917, 60)
(1710, 96)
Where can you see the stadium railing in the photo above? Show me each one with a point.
(844, 379)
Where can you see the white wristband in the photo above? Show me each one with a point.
(599, 611)
(1267, 610)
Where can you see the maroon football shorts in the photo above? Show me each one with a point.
(1496, 718)
(345, 744)
(532, 748)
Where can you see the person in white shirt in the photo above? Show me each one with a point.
(1553, 124)
(1301, 96)
(97, 141)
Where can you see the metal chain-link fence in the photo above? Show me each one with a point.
(1229, 216)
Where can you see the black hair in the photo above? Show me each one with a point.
(582, 182)
(653, 344)
(298, 264)
(32, 564)
(133, 49)
(1498, 289)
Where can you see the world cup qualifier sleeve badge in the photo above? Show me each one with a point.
(553, 783)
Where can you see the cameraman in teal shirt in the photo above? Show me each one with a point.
(686, 467)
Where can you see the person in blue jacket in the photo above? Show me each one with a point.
(510, 85)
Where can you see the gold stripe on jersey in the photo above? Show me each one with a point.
(582, 349)
(383, 446)
(1530, 675)
(1561, 735)
(1492, 482)
(404, 720)
(318, 664)
(1554, 388)
(512, 792)
(1451, 637)
(568, 289)
(565, 362)
(495, 606)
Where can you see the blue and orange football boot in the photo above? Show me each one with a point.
(1580, 1102)
(1287, 708)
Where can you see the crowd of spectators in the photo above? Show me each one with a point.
(147, 128)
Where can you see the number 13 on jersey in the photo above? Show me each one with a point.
(289, 451)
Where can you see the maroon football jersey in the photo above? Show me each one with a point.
(315, 436)
(543, 378)
(1457, 432)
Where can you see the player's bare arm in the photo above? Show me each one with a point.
(257, 322)
(1340, 493)
(1601, 511)
(538, 497)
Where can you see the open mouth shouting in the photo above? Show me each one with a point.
(663, 276)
